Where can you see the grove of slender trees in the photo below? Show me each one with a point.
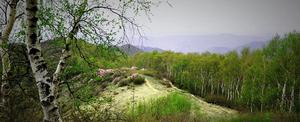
(266, 79)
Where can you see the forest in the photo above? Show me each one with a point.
(64, 60)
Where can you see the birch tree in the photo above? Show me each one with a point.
(9, 13)
(44, 82)
(97, 22)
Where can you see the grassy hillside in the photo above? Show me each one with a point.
(124, 94)
(153, 100)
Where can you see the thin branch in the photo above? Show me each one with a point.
(113, 10)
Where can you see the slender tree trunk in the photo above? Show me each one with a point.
(298, 96)
(278, 100)
(5, 88)
(212, 85)
(66, 53)
(262, 95)
(292, 97)
(251, 107)
(44, 82)
(283, 96)
(251, 101)
(231, 91)
(264, 82)
(221, 89)
(218, 87)
(195, 85)
(228, 93)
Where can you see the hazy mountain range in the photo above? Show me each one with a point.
(221, 44)
(131, 49)
(203, 43)
(252, 46)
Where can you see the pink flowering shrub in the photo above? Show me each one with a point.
(119, 77)
(104, 72)
(137, 79)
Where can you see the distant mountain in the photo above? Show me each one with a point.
(130, 49)
(252, 45)
(219, 43)
(151, 49)
(219, 50)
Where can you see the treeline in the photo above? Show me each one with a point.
(261, 80)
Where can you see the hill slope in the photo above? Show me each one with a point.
(152, 89)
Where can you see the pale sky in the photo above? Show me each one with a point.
(244, 17)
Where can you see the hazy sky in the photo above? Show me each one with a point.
(245, 17)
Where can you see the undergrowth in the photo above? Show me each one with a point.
(174, 106)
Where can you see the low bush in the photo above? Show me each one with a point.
(219, 100)
(123, 82)
(85, 93)
(137, 80)
(166, 83)
(151, 73)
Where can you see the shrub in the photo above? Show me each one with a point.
(166, 83)
(85, 93)
(151, 73)
(104, 72)
(123, 82)
(137, 80)
(116, 80)
(98, 79)
(219, 100)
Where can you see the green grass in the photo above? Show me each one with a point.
(86, 92)
(266, 117)
(174, 104)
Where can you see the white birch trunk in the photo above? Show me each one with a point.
(283, 96)
(292, 98)
(44, 82)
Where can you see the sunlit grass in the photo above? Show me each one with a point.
(174, 104)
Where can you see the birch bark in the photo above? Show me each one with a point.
(44, 82)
